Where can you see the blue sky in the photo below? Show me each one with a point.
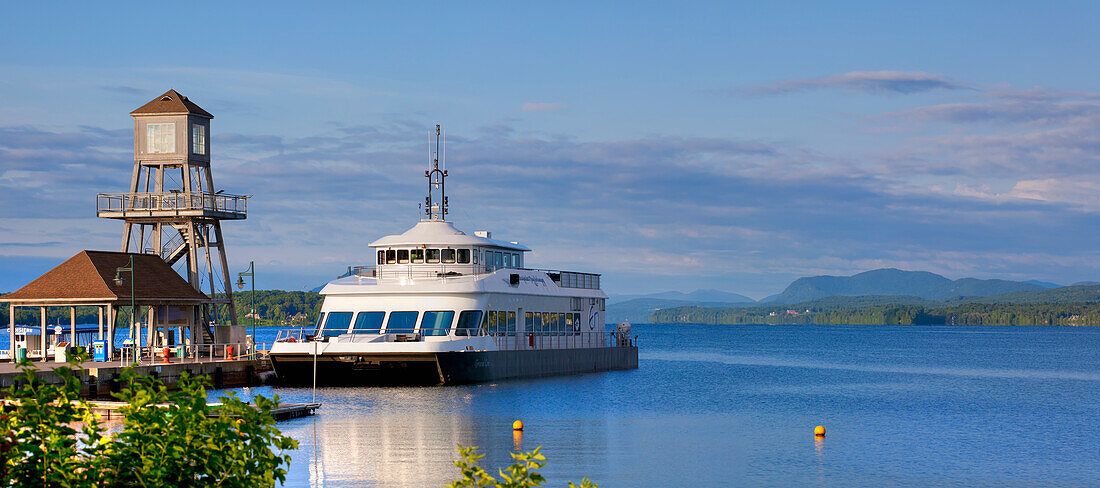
(668, 146)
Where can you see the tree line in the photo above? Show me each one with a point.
(1085, 313)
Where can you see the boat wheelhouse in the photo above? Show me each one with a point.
(442, 306)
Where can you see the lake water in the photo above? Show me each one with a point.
(725, 405)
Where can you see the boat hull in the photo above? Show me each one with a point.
(444, 368)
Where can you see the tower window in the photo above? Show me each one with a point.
(198, 139)
(160, 138)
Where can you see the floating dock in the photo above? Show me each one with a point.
(108, 410)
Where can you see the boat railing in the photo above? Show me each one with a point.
(300, 334)
(565, 279)
(558, 340)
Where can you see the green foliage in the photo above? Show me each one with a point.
(167, 438)
(41, 446)
(278, 307)
(524, 473)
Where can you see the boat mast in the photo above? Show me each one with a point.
(436, 209)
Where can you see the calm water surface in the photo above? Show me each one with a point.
(719, 405)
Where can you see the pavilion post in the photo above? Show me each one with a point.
(11, 329)
(100, 310)
(149, 327)
(112, 324)
(72, 326)
(43, 321)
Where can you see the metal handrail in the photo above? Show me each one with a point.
(125, 202)
(565, 279)
(193, 353)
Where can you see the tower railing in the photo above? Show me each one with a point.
(121, 205)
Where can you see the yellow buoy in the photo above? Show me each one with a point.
(517, 425)
(819, 431)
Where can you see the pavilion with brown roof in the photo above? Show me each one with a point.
(93, 279)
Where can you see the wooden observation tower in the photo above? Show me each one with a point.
(172, 208)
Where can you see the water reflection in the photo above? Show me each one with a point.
(409, 436)
(720, 406)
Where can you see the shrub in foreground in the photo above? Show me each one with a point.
(49, 436)
(524, 473)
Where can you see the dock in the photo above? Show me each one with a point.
(100, 379)
(108, 410)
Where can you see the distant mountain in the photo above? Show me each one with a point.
(890, 281)
(695, 296)
(1044, 284)
(1086, 283)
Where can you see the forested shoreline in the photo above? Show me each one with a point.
(891, 314)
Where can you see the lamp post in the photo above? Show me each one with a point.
(251, 274)
(118, 282)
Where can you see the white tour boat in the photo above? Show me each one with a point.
(441, 307)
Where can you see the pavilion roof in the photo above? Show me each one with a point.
(89, 276)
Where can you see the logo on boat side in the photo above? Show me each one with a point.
(532, 279)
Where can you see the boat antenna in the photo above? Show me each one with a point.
(435, 209)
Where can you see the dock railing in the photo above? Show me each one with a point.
(186, 353)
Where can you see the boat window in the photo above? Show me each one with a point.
(433, 255)
(491, 322)
(469, 323)
(510, 328)
(402, 256)
(448, 255)
(320, 320)
(519, 260)
(529, 323)
(463, 256)
(569, 322)
(337, 323)
(498, 259)
(417, 256)
(544, 326)
(476, 253)
(436, 323)
(391, 256)
(381, 257)
(554, 318)
(368, 322)
(402, 322)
